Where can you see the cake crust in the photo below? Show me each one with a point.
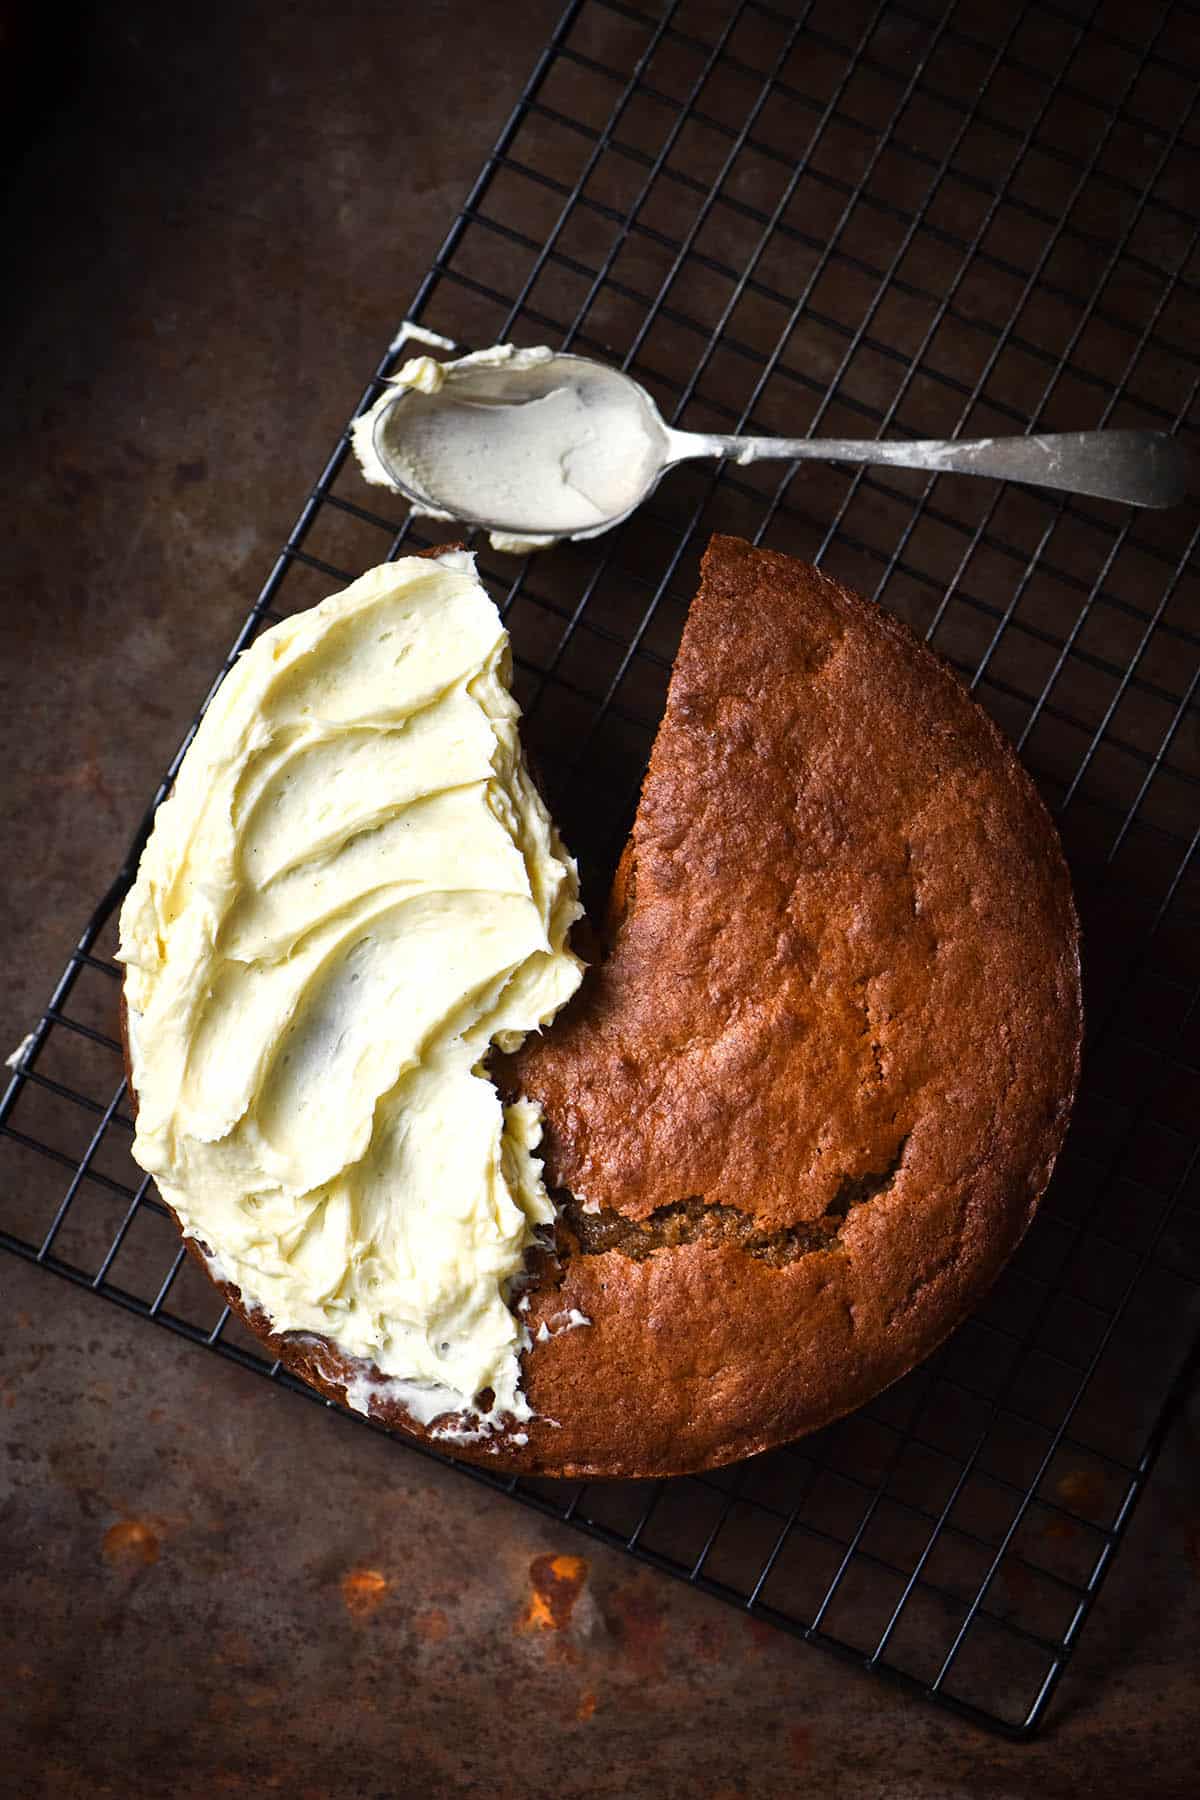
(802, 1112)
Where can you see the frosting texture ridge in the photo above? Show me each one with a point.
(352, 892)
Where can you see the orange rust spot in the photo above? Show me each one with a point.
(586, 1707)
(1082, 1490)
(10, 1400)
(432, 1625)
(131, 1542)
(1058, 1528)
(556, 1583)
(362, 1591)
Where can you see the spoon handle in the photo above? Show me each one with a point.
(1142, 468)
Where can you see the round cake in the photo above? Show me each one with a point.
(794, 1121)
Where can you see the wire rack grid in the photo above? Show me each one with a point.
(920, 219)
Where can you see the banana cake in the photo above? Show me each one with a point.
(779, 1138)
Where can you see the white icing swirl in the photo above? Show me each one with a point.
(353, 891)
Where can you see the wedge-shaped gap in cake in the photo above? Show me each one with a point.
(618, 602)
(591, 663)
(560, 717)
(600, 787)
(538, 629)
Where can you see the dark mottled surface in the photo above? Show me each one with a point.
(210, 1587)
(207, 1586)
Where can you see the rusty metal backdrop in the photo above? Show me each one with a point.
(846, 219)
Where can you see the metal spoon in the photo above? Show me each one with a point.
(623, 447)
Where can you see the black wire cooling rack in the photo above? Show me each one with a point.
(850, 220)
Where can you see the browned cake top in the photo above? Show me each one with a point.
(829, 1059)
(847, 943)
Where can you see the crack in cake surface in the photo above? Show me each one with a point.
(696, 1220)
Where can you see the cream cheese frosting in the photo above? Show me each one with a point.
(553, 446)
(353, 891)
